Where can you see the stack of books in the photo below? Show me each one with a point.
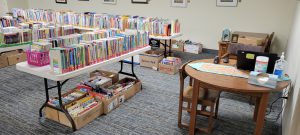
(69, 58)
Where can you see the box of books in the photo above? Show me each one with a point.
(113, 75)
(110, 104)
(151, 59)
(98, 82)
(169, 65)
(84, 118)
(82, 106)
(130, 88)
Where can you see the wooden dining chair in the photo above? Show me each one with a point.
(207, 98)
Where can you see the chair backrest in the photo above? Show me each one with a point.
(269, 42)
(183, 75)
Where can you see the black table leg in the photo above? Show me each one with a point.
(132, 74)
(47, 97)
(165, 46)
(62, 107)
(170, 47)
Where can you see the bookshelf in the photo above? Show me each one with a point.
(166, 39)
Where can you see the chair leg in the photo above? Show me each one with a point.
(210, 119)
(180, 110)
(217, 108)
(203, 108)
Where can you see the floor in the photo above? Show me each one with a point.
(152, 111)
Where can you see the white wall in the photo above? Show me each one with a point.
(202, 20)
(17, 4)
(291, 116)
(3, 8)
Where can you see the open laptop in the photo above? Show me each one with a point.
(246, 60)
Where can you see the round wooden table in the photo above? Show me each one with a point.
(234, 85)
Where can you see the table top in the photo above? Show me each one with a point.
(176, 35)
(229, 83)
(45, 71)
(5, 49)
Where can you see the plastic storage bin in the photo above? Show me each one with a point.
(38, 58)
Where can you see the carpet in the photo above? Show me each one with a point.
(152, 111)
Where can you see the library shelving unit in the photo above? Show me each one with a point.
(15, 47)
(166, 39)
(61, 79)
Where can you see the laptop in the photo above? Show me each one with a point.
(246, 60)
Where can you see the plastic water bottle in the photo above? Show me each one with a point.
(280, 66)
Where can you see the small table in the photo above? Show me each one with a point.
(166, 38)
(233, 85)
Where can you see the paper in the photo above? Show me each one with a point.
(219, 69)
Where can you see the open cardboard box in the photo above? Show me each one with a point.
(80, 121)
(12, 58)
(125, 94)
(169, 69)
(114, 76)
(128, 93)
(151, 59)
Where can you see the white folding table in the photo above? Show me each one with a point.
(61, 79)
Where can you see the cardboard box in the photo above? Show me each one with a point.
(178, 46)
(3, 60)
(168, 43)
(99, 82)
(12, 58)
(168, 69)
(251, 38)
(195, 48)
(129, 92)
(114, 76)
(251, 41)
(16, 57)
(110, 104)
(151, 59)
(80, 121)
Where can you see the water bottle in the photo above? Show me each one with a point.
(280, 66)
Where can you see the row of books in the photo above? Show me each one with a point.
(155, 26)
(73, 57)
(35, 14)
(52, 32)
(8, 21)
(99, 34)
(65, 41)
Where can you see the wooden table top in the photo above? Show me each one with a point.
(228, 83)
